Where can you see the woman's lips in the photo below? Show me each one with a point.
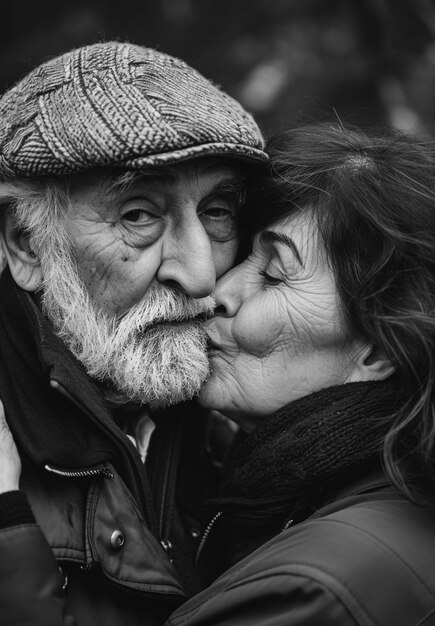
(212, 344)
(219, 337)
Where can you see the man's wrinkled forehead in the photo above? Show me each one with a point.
(116, 180)
(172, 175)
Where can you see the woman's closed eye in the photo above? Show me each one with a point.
(269, 279)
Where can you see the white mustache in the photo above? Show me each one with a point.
(163, 305)
(199, 319)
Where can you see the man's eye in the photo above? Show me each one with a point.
(218, 219)
(218, 212)
(136, 215)
(138, 211)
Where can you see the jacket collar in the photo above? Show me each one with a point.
(47, 427)
(71, 429)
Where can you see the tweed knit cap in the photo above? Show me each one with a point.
(118, 104)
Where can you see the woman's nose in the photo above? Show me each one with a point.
(228, 294)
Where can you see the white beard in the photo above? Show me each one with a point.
(142, 357)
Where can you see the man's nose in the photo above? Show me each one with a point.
(188, 262)
(228, 294)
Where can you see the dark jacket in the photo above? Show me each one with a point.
(364, 559)
(115, 529)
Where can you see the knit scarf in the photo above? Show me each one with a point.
(308, 450)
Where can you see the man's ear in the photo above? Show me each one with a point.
(371, 364)
(23, 263)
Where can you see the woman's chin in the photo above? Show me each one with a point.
(214, 394)
(207, 398)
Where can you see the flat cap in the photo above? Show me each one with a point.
(118, 104)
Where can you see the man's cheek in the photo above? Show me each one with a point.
(224, 255)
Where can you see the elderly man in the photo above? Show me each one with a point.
(121, 171)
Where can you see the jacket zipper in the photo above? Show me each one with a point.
(205, 535)
(210, 526)
(287, 525)
(167, 496)
(101, 469)
(55, 384)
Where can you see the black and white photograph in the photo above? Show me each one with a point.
(217, 313)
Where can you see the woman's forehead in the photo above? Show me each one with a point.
(298, 229)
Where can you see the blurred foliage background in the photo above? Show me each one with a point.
(369, 62)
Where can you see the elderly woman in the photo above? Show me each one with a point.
(323, 350)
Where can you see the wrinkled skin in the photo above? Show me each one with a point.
(278, 333)
(175, 226)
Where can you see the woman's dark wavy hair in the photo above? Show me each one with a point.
(374, 201)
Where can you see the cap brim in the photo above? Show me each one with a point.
(230, 150)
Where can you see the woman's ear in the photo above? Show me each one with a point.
(23, 263)
(371, 364)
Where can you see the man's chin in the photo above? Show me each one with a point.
(158, 367)
(116, 398)
(176, 396)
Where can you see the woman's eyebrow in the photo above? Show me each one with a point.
(270, 236)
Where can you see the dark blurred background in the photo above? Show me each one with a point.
(369, 62)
